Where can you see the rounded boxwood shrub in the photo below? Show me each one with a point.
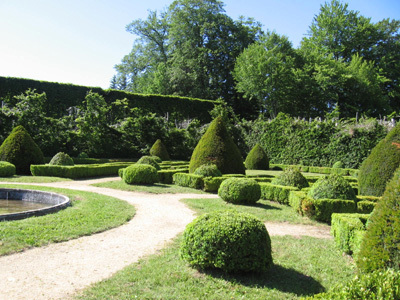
(208, 171)
(240, 190)
(291, 176)
(217, 147)
(61, 159)
(149, 160)
(257, 159)
(333, 186)
(227, 240)
(380, 247)
(378, 168)
(7, 169)
(83, 155)
(159, 149)
(140, 174)
(20, 150)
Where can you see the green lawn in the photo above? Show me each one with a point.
(32, 179)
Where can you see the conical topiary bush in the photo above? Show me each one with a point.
(20, 150)
(257, 159)
(217, 147)
(379, 166)
(159, 149)
(380, 247)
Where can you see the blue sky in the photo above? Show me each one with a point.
(80, 41)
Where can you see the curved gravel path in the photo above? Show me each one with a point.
(57, 271)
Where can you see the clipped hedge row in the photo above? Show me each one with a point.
(188, 180)
(278, 193)
(319, 170)
(348, 231)
(78, 171)
(166, 176)
(212, 184)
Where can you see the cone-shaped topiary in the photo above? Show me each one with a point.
(380, 247)
(217, 147)
(61, 159)
(378, 168)
(291, 176)
(333, 186)
(159, 149)
(257, 159)
(20, 150)
(227, 240)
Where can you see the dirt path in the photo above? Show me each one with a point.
(57, 271)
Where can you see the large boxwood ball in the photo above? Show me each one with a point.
(227, 240)
(291, 176)
(7, 169)
(140, 174)
(61, 159)
(149, 160)
(240, 190)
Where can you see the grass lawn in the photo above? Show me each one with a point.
(89, 213)
(32, 179)
(157, 188)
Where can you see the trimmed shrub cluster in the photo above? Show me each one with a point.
(20, 150)
(208, 171)
(291, 176)
(240, 190)
(159, 149)
(7, 169)
(149, 160)
(188, 180)
(257, 159)
(378, 168)
(227, 240)
(217, 147)
(61, 159)
(332, 187)
(140, 174)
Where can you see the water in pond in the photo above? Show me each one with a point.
(14, 206)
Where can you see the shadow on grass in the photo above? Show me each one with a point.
(265, 206)
(277, 277)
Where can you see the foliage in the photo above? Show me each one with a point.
(372, 286)
(240, 190)
(291, 176)
(140, 174)
(61, 159)
(379, 166)
(210, 170)
(227, 240)
(257, 159)
(149, 160)
(216, 146)
(7, 169)
(278, 193)
(20, 150)
(159, 149)
(380, 248)
(332, 187)
(188, 180)
(337, 165)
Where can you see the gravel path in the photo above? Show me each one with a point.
(57, 271)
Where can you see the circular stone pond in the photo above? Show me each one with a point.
(16, 204)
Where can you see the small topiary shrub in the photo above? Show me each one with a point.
(227, 240)
(380, 247)
(20, 150)
(338, 165)
(378, 168)
(159, 149)
(7, 169)
(257, 159)
(240, 190)
(217, 147)
(140, 174)
(291, 176)
(83, 155)
(333, 186)
(208, 171)
(61, 159)
(149, 160)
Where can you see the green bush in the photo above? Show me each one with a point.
(227, 240)
(208, 171)
(257, 159)
(291, 176)
(380, 247)
(188, 180)
(332, 187)
(140, 174)
(159, 149)
(278, 193)
(7, 169)
(337, 165)
(379, 166)
(20, 150)
(157, 159)
(240, 190)
(378, 285)
(61, 159)
(365, 207)
(149, 160)
(212, 184)
(217, 147)
(83, 155)
(322, 209)
(166, 176)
